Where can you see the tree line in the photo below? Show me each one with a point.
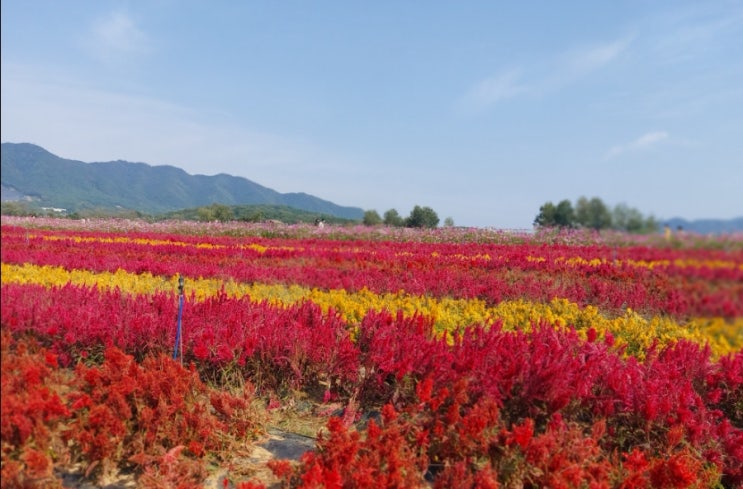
(594, 214)
(585, 213)
(419, 217)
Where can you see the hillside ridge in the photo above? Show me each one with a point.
(31, 173)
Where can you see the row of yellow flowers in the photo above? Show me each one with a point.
(630, 330)
(572, 261)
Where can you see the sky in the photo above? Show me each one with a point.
(481, 110)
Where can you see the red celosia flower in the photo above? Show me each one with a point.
(196, 448)
(388, 413)
(591, 335)
(679, 471)
(38, 464)
(522, 434)
(249, 485)
(424, 389)
(635, 461)
(51, 359)
(280, 468)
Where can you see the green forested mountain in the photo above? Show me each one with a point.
(31, 173)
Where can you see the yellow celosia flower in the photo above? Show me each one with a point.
(450, 316)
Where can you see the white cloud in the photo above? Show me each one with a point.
(695, 33)
(548, 76)
(82, 122)
(581, 62)
(115, 37)
(643, 142)
(490, 91)
(91, 124)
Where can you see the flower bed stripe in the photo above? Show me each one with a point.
(449, 316)
(679, 283)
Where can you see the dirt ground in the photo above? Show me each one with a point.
(291, 431)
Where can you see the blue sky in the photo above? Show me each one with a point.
(481, 110)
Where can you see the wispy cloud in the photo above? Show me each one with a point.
(490, 91)
(544, 77)
(695, 33)
(643, 142)
(80, 121)
(585, 60)
(115, 37)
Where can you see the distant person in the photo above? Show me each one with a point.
(320, 223)
(667, 232)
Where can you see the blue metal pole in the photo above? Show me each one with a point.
(178, 337)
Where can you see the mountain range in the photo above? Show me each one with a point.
(31, 173)
(707, 226)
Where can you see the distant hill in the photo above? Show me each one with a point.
(31, 173)
(707, 226)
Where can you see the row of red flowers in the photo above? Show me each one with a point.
(548, 383)
(678, 282)
(536, 408)
(157, 418)
(153, 418)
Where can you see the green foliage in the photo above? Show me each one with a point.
(251, 213)
(120, 185)
(561, 215)
(631, 220)
(594, 214)
(546, 216)
(372, 218)
(565, 215)
(17, 209)
(422, 217)
(392, 218)
(102, 213)
(215, 212)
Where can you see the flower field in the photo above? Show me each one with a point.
(459, 358)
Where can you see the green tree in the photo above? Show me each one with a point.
(205, 214)
(651, 225)
(215, 212)
(222, 213)
(371, 218)
(625, 218)
(546, 217)
(592, 213)
(560, 215)
(596, 215)
(449, 222)
(422, 217)
(629, 219)
(564, 214)
(13, 208)
(392, 218)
